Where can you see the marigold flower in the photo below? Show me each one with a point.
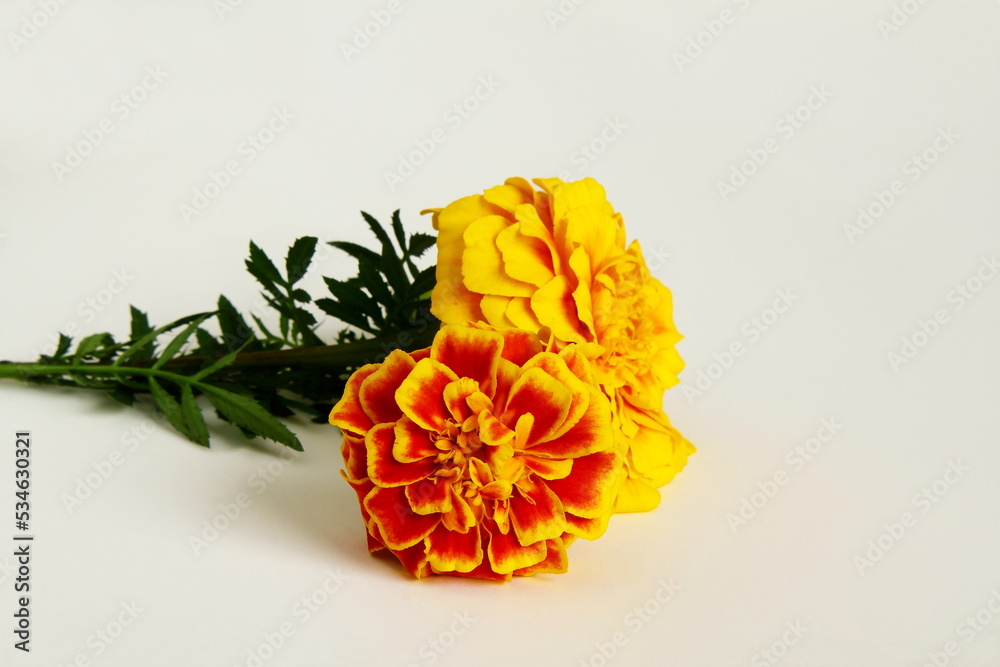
(554, 261)
(481, 456)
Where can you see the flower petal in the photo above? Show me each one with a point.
(483, 267)
(430, 496)
(555, 308)
(448, 551)
(421, 394)
(377, 393)
(399, 525)
(469, 353)
(355, 455)
(348, 413)
(506, 554)
(592, 486)
(411, 443)
(588, 529)
(383, 468)
(555, 561)
(590, 434)
(535, 512)
(545, 398)
(525, 258)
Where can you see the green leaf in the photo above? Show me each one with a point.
(397, 228)
(348, 293)
(171, 409)
(263, 269)
(235, 330)
(344, 314)
(372, 281)
(193, 417)
(420, 242)
(140, 324)
(301, 295)
(424, 281)
(380, 233)
(123, 396)
(88, 345)
(64, 344)
(178, 342)
(140, 344)
(217, 365)
(358, 252)
(299, 257)
(248, 414)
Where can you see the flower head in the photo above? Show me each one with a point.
(481, 456)
(554, 261)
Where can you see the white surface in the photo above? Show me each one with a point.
(725, 260)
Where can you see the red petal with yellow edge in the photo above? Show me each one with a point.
(399, 525)
(483, 570)
(347, 413)
(555, 308)
(535, 512)
(519, 346)
(421, 395)
(429, 496)
(592, 486)
(362, 487)
(455, 398)
(591, 434)
(383, 468)
(588, 529)
(378, 390)
(506, 554)
(469, 353)
(461, 517)
(507, 374)
(355, 455)
(538, 393)
(492, 431)
(448, 551)
(555, 366)
(483, 269)
(555, 561)
(411, 443)
(547, 468)
(414, 560)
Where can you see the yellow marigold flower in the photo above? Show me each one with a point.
(554, 261)
(481, 456)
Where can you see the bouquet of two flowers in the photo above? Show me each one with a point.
(519, 405)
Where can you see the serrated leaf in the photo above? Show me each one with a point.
(358, 252)
(88, 345)
(372, 281)
(140, 344)
(235, 330)
(263, 269)
(397, 228)
(301, 296)
(420, 242)
(248, 414)
(380, 234)
(299, 257)
(122, 396)
(348, 293)
(217, 365)
(178, 342)
(192, 416)
(171, 409)
(424, 281)
(344, 314)
(64, 344)
(140, 324)
(207, 343)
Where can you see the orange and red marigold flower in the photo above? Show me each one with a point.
(481, 456)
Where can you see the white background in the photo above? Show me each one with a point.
(679, 128)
